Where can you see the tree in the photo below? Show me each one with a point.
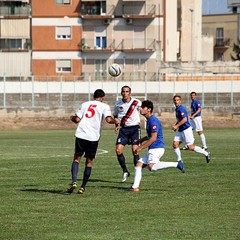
(236, 50)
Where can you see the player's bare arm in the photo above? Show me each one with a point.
(149, 141)
(110, 120)
(178, 124)
(75, 118)
(196, 113)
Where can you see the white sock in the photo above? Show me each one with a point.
(137, 177)
(178, 154)
(161, 165)
(200, 150)
(203, 139)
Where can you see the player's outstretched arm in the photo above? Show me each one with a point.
(75, 118)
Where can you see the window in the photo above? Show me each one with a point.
(94, 8)
(63, 32)
(63, 65)
(101, 42)
(11, 44)
(63, 2)
(219, 37)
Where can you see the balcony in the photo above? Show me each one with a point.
(135, 11)
(223, 43)
(10, 11)
(15, 45)
(137, 45)
(97, 10)
(100, 44)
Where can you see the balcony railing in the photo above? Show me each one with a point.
(7, 11)
(15, 45)
(144, 11)
(222, 42)
(126, 45)
(90, 45)
(96, 11)
(137, 45)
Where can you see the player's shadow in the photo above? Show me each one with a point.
(36, 190)
(63, 192)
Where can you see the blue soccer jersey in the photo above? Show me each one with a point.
(154, 125)
(181, 112)
(195, 105)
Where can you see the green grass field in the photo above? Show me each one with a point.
(35, 167)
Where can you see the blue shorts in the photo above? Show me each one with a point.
(84, 146)
(129, 135)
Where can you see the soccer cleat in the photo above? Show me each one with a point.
(208, 157)
(125, 176)
(131, 189)
(180, 166)
(184, 148)
(204, 148)
(81, 190)
(72, 187)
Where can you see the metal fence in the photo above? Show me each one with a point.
(221, 93)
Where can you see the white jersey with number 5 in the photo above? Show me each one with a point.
(91, 113)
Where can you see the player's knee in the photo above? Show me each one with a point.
(151, 167)
(191, 147)
(175, 145)
(76, 159)
(119, 151)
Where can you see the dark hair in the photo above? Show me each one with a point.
(193, 93)
(126, 87)
(148, 104)
(177, 96)
(99, 93)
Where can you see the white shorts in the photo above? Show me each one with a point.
(152, 156)
(185, 136)
(196, 123)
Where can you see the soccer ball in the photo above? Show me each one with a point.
(114, 70)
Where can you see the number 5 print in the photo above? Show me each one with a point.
(91, 111)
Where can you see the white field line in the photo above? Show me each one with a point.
(29, 156)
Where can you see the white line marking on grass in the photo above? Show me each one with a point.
(34, 155)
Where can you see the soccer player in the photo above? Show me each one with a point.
(126, 110)
(89, 118)
(196, 118)
(155, 143)
(185, 132)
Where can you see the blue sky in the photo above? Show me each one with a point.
(214, 7)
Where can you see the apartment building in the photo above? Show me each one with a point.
(15, 40)
(223, 29)
(56, 38)
(81, 38)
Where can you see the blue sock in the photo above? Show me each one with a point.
(86, 175)
(122, 162)
(74, 170)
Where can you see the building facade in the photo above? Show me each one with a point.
(82, 38)
(223, 30)
(15, 38)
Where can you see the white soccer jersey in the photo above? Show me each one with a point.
(91, 113)
(128, 113)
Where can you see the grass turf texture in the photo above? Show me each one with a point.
(35, 167)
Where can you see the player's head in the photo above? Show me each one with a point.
(126, 92)
(147, 104)
(126, 87)
(177, 100)
(99, 93)
(193, 95)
